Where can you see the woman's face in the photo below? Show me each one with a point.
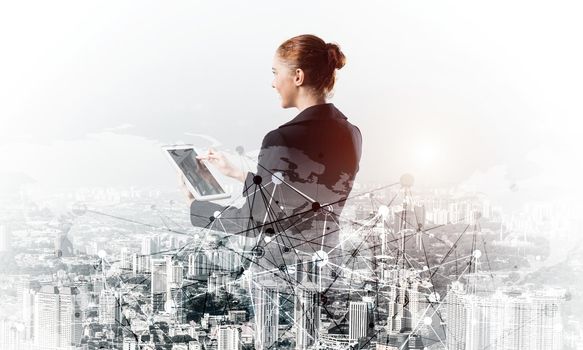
(284, 82)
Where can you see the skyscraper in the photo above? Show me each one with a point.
(57, 317)
(359, 317)
(150, 245)
(26, 291)
(176, 303)
(307, 315)
(110, 307)
(124, 259)
(229, 338)
(70, 316)
(199, 265)
(47, 317)
(140, 263)
(174, 270)
(504, 320)
(266, 306)
(403, 301)
(158, 284)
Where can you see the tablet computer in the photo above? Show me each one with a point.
(200, 179)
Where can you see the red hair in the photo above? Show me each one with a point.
(318, 59)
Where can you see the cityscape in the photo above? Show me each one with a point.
(385, 175)
(419, 269)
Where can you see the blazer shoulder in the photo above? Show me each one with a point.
(273, 138)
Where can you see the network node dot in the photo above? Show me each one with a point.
(434, 297)
(169, 305)
(427, 321)
(320, 257)
(384, 211)
(101, 254)
(477, 254)
(258, 252)
(407, 180)
(277, 178)
(257, 179)
(217, 214)
(315, 206)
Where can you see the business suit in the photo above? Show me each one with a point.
(317, 154)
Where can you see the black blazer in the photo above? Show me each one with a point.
(317, 154)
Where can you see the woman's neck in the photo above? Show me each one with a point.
(306, 101)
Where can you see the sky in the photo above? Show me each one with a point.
(484, 95)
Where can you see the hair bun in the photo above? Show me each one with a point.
(335, 56)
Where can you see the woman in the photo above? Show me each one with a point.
(305, 172)
(317, 152)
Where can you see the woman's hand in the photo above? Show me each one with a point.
(184, 188)
(221, 162)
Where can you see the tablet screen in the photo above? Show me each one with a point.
(196, 172)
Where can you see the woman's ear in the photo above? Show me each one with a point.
(299, 77)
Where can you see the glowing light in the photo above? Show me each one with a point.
(426, 154)
(321, 258)
(277, 178)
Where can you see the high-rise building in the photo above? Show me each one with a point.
(229, 338)
(266, 306)
(110, 307)
(307, 315)
(57, 317)
(199, 265)
(26, 291)
(176, 303)
(174, 270)
(359, 319)
(124, 259)
(150, 245)
(403, 298)
(140, 263)
(70, 316)
(158, 283)
(47, 317)
(13, 335)
(504, 320)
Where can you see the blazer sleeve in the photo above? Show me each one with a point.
(244, 220)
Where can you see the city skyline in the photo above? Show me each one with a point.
(422, 196)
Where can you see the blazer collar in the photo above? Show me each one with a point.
(315, 112)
